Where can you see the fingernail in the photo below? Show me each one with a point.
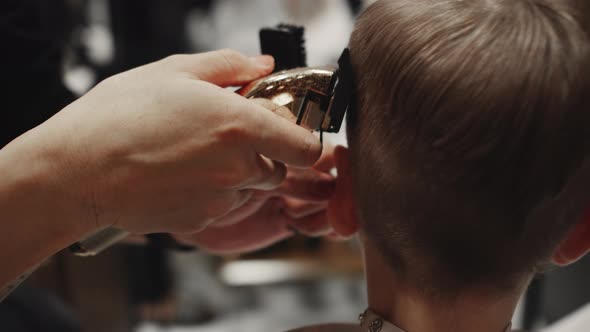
(264, 61)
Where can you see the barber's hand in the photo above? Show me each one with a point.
(164, 148)
(297, 206)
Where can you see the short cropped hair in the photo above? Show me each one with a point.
(470, 115)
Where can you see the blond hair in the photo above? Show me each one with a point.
(470, 114)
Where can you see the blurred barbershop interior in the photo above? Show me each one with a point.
(144, 286)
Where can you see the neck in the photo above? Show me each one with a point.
(412, 310)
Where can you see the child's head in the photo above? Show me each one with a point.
(472, 116)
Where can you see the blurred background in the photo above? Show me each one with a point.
(147, 289)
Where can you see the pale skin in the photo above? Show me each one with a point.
(408, 308)
(298, 205)
(160, 148)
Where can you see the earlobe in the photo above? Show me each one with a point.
(575, 245)
(341, 208)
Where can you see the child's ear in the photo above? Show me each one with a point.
(575, 245)
(341, 208)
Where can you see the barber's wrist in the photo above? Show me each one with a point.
(32, 186)
(36, 222)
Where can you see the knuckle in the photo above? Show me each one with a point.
(174, 58)
(231, 55)
(232, 134)
(180, 62)
(233, 61)
(112, 81)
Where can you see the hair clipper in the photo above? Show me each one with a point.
(317, 96)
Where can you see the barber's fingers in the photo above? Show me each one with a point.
(263, 228)
(297, 209)
(269, 174)
(307, 218)
(305, 184)
(223, 202)
(241, 197)
(264, 132)
(255, 203)
(224, 67)
(282, 136)
(326, 162)
(334, 236)
(313, 225)
(279, 139)
(309, 185)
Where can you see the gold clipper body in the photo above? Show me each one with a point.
(309, 93)
(304, 91)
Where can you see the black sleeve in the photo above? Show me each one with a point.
(33, 34)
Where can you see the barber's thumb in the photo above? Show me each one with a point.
(232, 68)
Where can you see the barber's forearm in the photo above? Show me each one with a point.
(35, 221)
